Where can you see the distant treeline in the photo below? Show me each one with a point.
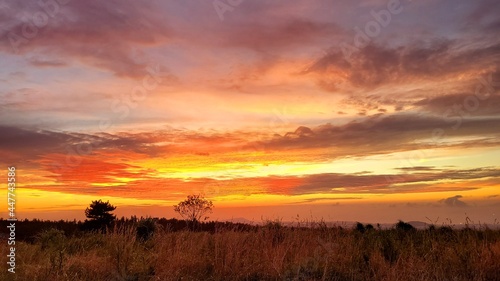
(27, 230)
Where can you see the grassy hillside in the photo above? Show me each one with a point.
(269, 252)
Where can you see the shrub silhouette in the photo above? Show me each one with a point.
(274, 231)
(51, 239)
(363, 228)
(146, 228)
(360, 227)
(401, 225)
(53, 243)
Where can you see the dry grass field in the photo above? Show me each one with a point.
(270, 252)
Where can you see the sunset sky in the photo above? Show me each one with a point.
(367, 111)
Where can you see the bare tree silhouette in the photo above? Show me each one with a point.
(194, 208)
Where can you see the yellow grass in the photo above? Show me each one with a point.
(271, 252)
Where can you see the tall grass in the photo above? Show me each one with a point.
(270, 252)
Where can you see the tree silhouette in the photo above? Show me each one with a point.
(99, 214)
(194, 208)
